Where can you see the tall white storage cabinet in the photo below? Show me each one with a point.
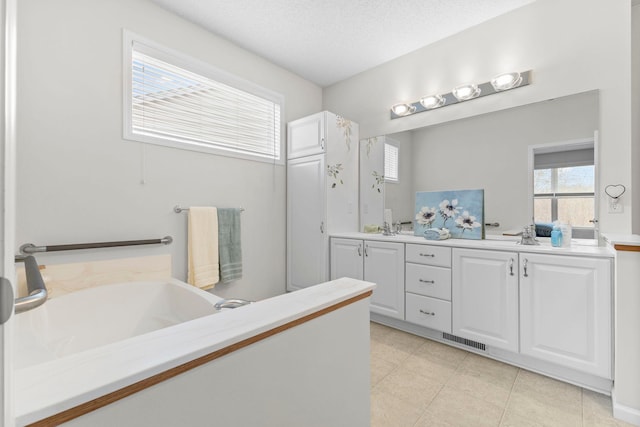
(322, 192)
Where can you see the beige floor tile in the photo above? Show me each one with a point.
(410, 387)
(597, 410)
(430, 420)
(377, 330)
(390, 352)
(395, 346)
(436, 369)
(548, 391)
(510, 419)
(460, 409)
(480, 388)
(443, 351)
(380, 368)
(542, 412)
(389, 411)
(403, 339)
(497, 373)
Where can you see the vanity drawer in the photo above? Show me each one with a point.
(429, 312)
(428, 281)
(439, 256)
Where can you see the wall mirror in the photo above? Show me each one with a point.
(489, 151)
(563, 185)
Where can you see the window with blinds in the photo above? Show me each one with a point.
(564, 187)
(177, 101)
(390, 163)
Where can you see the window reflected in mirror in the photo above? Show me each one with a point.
(564, 189)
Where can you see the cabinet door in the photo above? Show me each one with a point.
(307, 244)
(565, 311)
(346, 258)
(305, 136)
(384, 266)
(485, 297)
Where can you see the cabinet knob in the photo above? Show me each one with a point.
(524, 267)
(431, 255)
(428, 313)
(511, 267)
(359, 250)
(427, 281)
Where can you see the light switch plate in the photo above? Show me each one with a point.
(615, 208)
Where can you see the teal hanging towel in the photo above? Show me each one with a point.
(229, 244)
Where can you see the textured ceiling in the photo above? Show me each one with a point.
(326, 41)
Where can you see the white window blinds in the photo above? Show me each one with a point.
(171, 103)
(390, 163)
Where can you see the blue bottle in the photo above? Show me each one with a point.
(556, 237)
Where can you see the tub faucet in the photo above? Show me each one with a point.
(231, 303)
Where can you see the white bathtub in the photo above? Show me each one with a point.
(103, 315)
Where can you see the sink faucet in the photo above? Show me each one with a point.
(386, 229)
(529, 236)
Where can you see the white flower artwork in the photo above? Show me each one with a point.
(467, 222)
(426, 216)
(459, 211)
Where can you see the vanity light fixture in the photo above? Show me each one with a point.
(403, 109)
(506, 81)
(432, 101)
(500, 83)
(466, 92)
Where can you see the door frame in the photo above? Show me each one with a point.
(8, 19)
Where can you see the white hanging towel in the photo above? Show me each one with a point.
(204, 270)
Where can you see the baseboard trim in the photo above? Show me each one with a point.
(624, 413)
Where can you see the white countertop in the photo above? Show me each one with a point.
(622, 239)
(587, 248)
(49, 388)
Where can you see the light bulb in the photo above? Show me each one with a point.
(506, 81)
(403, 109)
(432, 101)
(466, 92)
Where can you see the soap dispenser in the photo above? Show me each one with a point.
(556, 237)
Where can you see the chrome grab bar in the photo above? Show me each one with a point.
(231, 303)
(37, 291)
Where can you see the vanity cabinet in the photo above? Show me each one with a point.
(428, 286)
(485, 297)
(531, 306)
(565, 311)
(379, 262)
(322, 192)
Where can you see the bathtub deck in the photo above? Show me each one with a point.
(55, 387)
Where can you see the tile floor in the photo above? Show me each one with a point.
(418, 382)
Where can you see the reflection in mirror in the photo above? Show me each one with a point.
(564, 182)
(487, 152)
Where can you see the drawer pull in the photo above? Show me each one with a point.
(427, 281)
(431, 255)
(428, 313)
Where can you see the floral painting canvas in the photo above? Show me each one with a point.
(460, 211)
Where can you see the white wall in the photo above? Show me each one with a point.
(635, 116)
(491, 152)
(572, 46)
(79, 181)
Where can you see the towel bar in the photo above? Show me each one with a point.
(178, 209)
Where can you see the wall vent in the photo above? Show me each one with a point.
(464, 341)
